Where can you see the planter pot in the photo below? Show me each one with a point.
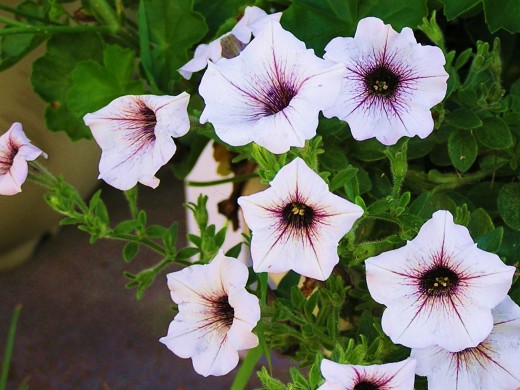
(25, 217)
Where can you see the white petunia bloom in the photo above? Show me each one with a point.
(135, 135)
(390, 376)
(252, 22)
(493, 364)
(15, 151)
(297, 223)
(390, 84)
(271, 93)
(439, 288)
(216, 315)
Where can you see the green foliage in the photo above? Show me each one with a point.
(102, 83)
(317, 22)
(173, 28)
(52, 78)
(509, 205)
(469, 165)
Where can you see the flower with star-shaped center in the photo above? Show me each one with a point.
(390, 376)
(135, 135)
(493, 364)
(390, 82)
(216, 315)
(15, 151)
(230, 44)
(439, 288)
(271, 93)
(297, 223)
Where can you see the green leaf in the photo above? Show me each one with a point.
(234, 251)
(494, 133)
(157, 231)
(397, 13)
(462, 148)
(95, 85)
(510, 244)
(454, 8)
(130, 250)
(217, 12)
(186, 253)
(491, 241)
(463, 118)
(246, 368)
(290, 280)
(480, 223)
(173, 29)
(14, 47)
(502, 14)
(509, 205)
(51, 78)
(316, 22)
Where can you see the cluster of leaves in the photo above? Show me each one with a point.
(469, 165)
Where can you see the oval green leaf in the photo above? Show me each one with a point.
(509, 205)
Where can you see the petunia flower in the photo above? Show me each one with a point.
(15, 151)
(271, 93)
(390, 83)
(439, 288)
(297, 223)
(216, 315)
(493, 364)
(390, 376)
(135, 135)
(252, 22)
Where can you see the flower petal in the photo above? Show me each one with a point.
(134, 133)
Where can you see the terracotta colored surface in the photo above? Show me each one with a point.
(80, 328)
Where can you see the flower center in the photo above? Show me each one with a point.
(147, 116)
(364, 385)
(439, 281)
(278, 96)
(224, 311)
(298, 215)
(6, 160)
(381, 81)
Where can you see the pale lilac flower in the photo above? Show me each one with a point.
(216, 315)
(439, 288)
(15, 151)
(297, 223)
(252, 22)
(492, 365)
(135, 135)
(271, 93)
(390, 376)
(390, 84)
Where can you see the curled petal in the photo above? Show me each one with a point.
(135, 135)
(15, 151)
(400, 375)
(252, 22)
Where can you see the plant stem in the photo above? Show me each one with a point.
(9, 347)
(12, 22)
(20, 12)
(28, 29)
(234, 179)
